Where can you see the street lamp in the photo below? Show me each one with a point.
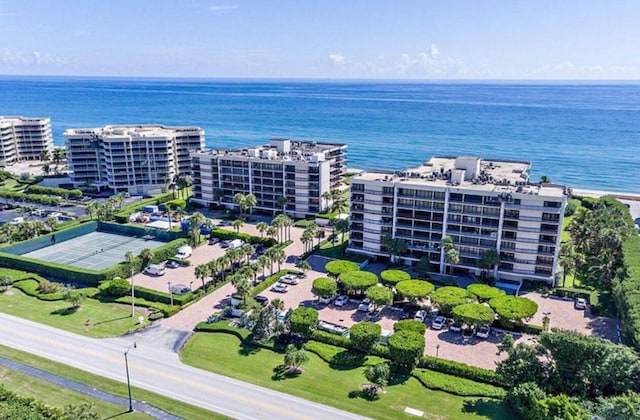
(126, 365)
(190, 286)
(170, 293)
(437, 350)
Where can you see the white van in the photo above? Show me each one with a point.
(184, 252)
(154, 270)
(236, 243)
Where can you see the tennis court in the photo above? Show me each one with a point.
(93, 251)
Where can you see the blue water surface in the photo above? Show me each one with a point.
(584, 135)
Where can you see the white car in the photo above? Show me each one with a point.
(154, 270)
(438, 323)
(341, 300)
(484, 331)
(581, 303)
(279, 288)
(364, 305)
(420, 316)
(289, 279)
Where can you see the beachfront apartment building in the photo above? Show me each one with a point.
(138, 159)
(482, 204)
(23, 138)
(300, 171)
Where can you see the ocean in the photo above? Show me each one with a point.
(583, 135)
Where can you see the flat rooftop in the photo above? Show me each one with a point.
(473, 173)
(119, 131)
(280, 149)
(18, 119)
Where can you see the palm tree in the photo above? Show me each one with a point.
(218, 194)
(44, 155)
(294, 358)
(306, 238)
(377, 375)
(250, 201)
(271, 254)
(240, 200)
(453, 258)
(248, 250)
(263, 261)
(489, 260)
(326, 196)
(304, 266)
(287, 222)
(46, 169)
(342, 226)
(282, 203)
(262, 228)
(145, 256)
(272, 232)
(280, 256)
(201, 272)
(237, 224)
(243, 287)
(214, 269)
(277, 223)
(567, 259)
(225, 263)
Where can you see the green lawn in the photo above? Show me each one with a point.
(223, 354)
(93, 319)
(175, 407)
(56, 396)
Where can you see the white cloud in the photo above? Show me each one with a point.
(221, 8)
(29, 59)
(337, 59)
(37, 57)
(434, 51)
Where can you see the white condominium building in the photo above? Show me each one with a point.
(481, 204)
(24, 138)
(300, 171)
(141, 159)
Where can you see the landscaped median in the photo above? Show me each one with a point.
(333, 374)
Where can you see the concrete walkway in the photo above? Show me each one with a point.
(139, 406)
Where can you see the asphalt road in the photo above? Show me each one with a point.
(158, 369)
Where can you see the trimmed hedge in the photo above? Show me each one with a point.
(162, 297)
(392, 277)
(410, 325)
(456, 385)
(30, 288)
(626, 292)
(337, 267)
(223, 327)
(462, 370)
(358, 281)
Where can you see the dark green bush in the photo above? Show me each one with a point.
(391, 277)
(461, 370)
(588, 202)
(364, 335)
(456, 385)
(410, 325)
(116, 287)
(406, 347)
(223, 327)
(337, 267)
(333, 339)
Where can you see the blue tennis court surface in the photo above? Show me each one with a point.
(93, 251)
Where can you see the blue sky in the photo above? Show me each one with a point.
(370, 39)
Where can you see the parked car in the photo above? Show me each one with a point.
(262, 300)
(326, 301)
(438, 323)
(364, 305)
(184, 252)
(289, 279)
(581, 303)
(213, 241)
(280, 288)
(154, 270)
(341, 300)
(483, 332)
(420, 316)
(456, 326)
(172, 264)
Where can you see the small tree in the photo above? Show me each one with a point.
(74, 298)
(406, 347)
(423, 267)
(473, 314)
(294, 358)
(356, 282)
(484, 292)
(324, 287)
(304, 321)
(410, 325)
(449, 297)
(304, 266)
(377, 375)
(507, 343)
(337, 267)
(364, 335)
(379, 296)
(489, 260)
(414, 289)
(392, 277)
(118, 287)
(514, 309)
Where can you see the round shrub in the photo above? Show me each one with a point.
(485, 292)
(410, 325)
(414, 289)
(513, 308)
(356, 282)
(324, 287)
(449, 297)
(474, 314)
(392, 277)
(117, 287)
(406, 347)
(364, 335)
(380, 295)
(337, 267)
(303, 321)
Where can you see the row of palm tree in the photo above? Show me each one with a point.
(279, 228)
(56, 158)
(335, 200)
(245, 202)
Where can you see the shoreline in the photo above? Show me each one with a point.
(599, 193)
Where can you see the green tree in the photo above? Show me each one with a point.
(342, 226)
(523, 397)
(364, 335)
(414, 289)
(395, 247)
(423, 267)
(118, 287)
(243, 287)
(294, 358)
(237, 224)
(145, 257)
(448, 297)
(484, 292)
(405, 348)
(305, 267)
(473, 314)
(379, 296)
(377, 375)
(356, 282)
(392, 277)
(74, 298)
(262, 228)
(324, 287)
(410, 325)
(513, 308)
(303, 321)
(452, 256)
(506, 344)
(201, 272)
(337, 267)
(489, 261)
(282, 203)
(525, 364)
